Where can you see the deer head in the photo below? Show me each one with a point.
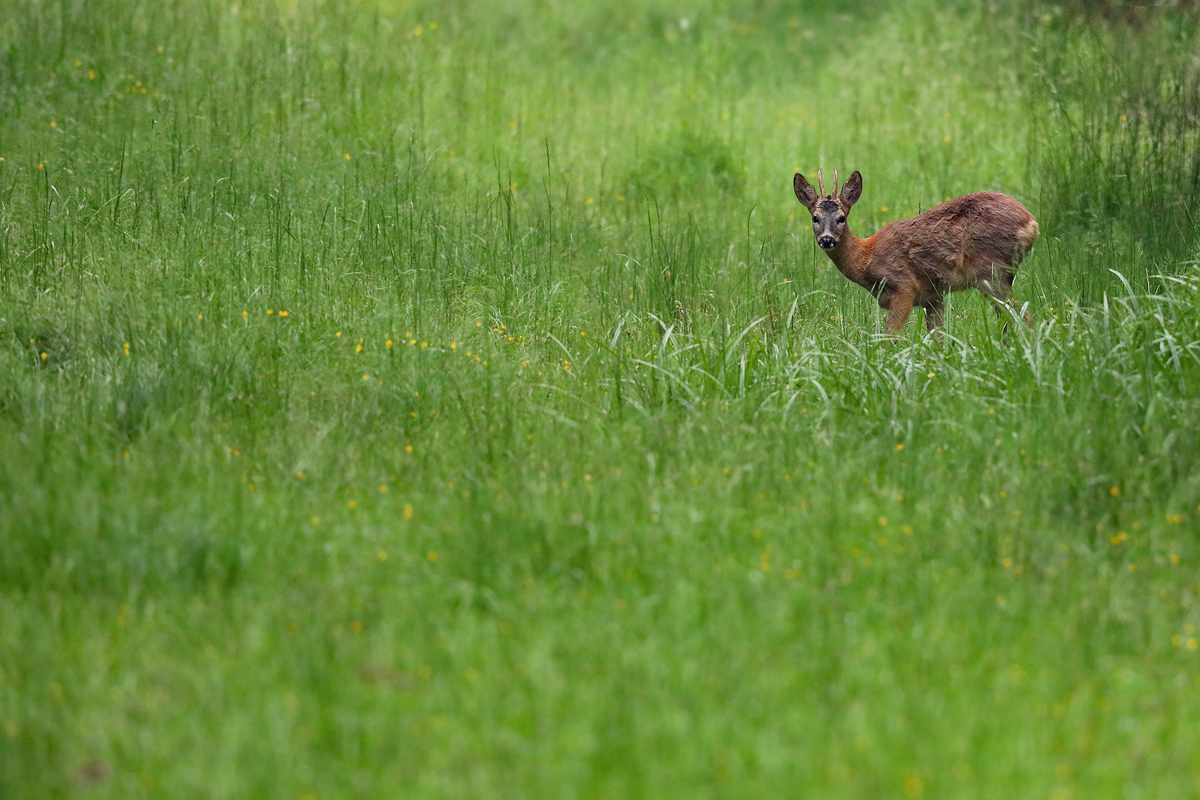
(828, 211)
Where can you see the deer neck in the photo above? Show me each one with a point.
(852, 256)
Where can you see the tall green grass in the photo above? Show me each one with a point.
(461, 410)
(1117, 145)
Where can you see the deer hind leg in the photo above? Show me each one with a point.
(935, 314)
(998, 288)
(935, 317)
(1009, 278)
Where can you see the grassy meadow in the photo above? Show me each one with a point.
(448, 400)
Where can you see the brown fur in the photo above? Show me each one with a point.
(971, 242)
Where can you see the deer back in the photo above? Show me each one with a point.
(957, 244)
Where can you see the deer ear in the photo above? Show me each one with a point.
(851, 190)
(805, 193)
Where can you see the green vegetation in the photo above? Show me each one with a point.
(448, 400)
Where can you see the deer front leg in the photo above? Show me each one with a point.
(899, 309)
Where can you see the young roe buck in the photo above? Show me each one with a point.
(971, 242)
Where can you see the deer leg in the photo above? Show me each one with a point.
(999, 291)
(899, 309)
(935, 317)
(1008, 279)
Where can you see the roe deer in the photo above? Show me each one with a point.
(971, 242)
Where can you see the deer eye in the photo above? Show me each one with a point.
(841, 220)
(816, 221)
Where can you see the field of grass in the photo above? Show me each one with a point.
(448, 400)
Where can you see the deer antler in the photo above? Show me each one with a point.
(820, 182)
(835, 185)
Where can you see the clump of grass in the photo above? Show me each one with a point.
(1115, 142)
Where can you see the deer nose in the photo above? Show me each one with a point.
(825, 242)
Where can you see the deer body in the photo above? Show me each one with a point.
(971, 242)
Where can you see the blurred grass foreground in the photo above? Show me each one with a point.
(448, 400)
